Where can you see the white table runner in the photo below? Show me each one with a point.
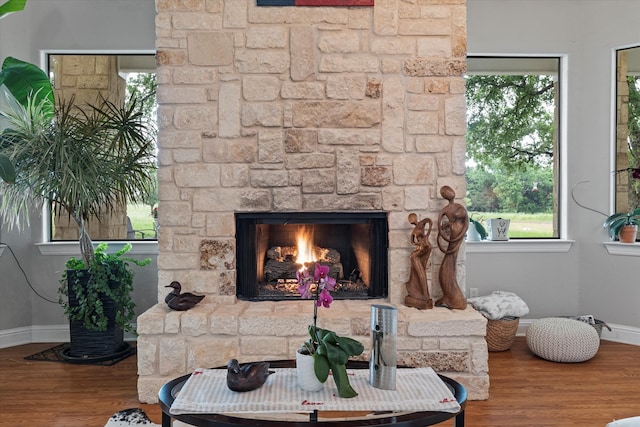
(418, 389)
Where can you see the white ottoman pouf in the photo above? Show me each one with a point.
(563, 340)
(627, 422)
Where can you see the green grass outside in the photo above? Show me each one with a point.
(522, 225)
(141, 218)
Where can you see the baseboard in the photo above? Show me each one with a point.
(619, 333)
(60, 333)
(40, 333)
(33, 334)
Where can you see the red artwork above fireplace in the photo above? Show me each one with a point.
(315, 2)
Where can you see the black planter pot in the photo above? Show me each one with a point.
(87, 343)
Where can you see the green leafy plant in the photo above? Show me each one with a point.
(110, 276)
(615, 222)
(330, 352)
(482, 231)
(10, 6)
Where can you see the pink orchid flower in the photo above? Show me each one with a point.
(304, 284)
(324, 299)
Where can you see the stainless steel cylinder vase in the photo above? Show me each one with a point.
(384, 333)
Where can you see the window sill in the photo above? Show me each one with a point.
(617, 248)
(73, 248)
(520, 246)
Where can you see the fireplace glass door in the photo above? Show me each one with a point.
(272, 247)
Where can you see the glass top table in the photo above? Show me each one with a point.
(170, 390)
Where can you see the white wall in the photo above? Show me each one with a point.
(88, 25)
(586, 280)
(583, 280)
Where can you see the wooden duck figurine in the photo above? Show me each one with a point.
(181, 301)
(247, 377)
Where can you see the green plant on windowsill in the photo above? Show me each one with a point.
(617, 224)
(479, 228)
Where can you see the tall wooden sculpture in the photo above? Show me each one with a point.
(417, 286)
(453, 223)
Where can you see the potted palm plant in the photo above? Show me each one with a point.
(623, 226)
(84, 162)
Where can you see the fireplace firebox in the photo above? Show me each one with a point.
(272, 247)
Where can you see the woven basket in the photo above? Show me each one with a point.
(501, 333)
(599, 324)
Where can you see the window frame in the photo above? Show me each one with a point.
(538, 244)
(46, 232)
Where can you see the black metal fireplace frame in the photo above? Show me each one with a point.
(246, 229)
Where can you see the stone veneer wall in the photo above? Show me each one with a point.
(303, 109)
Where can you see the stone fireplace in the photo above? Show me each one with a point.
(304, 111)
(272, 247)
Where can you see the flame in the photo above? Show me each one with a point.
(304, 239)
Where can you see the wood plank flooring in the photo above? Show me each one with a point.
(525, 391)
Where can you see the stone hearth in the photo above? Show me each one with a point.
(173, 343)
(303, 109)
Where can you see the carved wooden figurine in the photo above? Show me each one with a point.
(453, 223)
(417, 286)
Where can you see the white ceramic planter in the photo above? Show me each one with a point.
(472, 234)
(498, 228)
(306, 376)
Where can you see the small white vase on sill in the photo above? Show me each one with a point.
(306, 375)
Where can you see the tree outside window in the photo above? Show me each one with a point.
(512, 143)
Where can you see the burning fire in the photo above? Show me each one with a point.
(304, 240)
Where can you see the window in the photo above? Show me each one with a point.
(512, 143)
(85, 77)
(628, 130)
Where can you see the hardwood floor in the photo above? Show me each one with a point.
(525, 391)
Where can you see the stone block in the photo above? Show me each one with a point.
(229, 110)
(262, 61)
(197, 175)
(302, 53)
(302, 90)
(287, 199)
(349, 136)
(267, 37)
(337, 114)
(147, 353)
(260, 88)
(211, 352)
(413, 170)
(151, 322)
(217, 254)
(265, 346)
(268, 115)
(359, 63)
(210, 48)
(346, 86)
(172, 321)
(195, 321)
(148, 388)
(235, 14)
(270, 146)
(172, 356)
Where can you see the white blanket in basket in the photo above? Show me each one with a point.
(499, 304)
